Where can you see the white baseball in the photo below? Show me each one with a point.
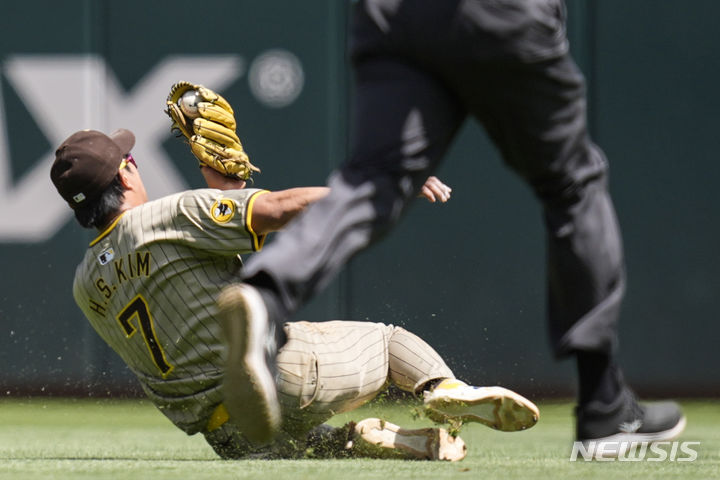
(188, 103)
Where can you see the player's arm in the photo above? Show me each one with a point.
(273, 210)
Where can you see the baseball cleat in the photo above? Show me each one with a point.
(611, 430)
(497, 407)
(380, 439)
(249, 384)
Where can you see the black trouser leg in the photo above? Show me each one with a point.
(536, 116)
(404, 121)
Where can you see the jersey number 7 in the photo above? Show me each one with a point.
(138, 308)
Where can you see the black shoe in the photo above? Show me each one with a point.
(610, 430)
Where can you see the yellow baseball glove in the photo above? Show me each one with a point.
(207, 121)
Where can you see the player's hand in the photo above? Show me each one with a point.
(435, 190)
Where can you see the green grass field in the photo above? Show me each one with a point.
(43, 438)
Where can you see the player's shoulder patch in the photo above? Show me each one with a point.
(223, 210)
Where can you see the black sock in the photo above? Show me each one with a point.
(277, 314)
(277, 321)
(599, 378)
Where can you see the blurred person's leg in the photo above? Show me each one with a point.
(536, 114)
(404, 121)
(536, 117)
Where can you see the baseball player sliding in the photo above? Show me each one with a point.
(150, 284)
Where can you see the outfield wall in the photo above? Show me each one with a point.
(467, 276)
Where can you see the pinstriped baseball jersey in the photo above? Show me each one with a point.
(148, 285)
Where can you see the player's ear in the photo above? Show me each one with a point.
(125, 178)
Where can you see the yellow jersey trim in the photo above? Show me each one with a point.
(258, 240)
(107, 230)
(218, 418)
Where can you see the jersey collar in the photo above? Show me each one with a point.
(107, 230)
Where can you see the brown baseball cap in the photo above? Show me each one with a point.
(86, 163)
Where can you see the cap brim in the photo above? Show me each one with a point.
(124, 139)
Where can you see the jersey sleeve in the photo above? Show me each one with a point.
(220, 221)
